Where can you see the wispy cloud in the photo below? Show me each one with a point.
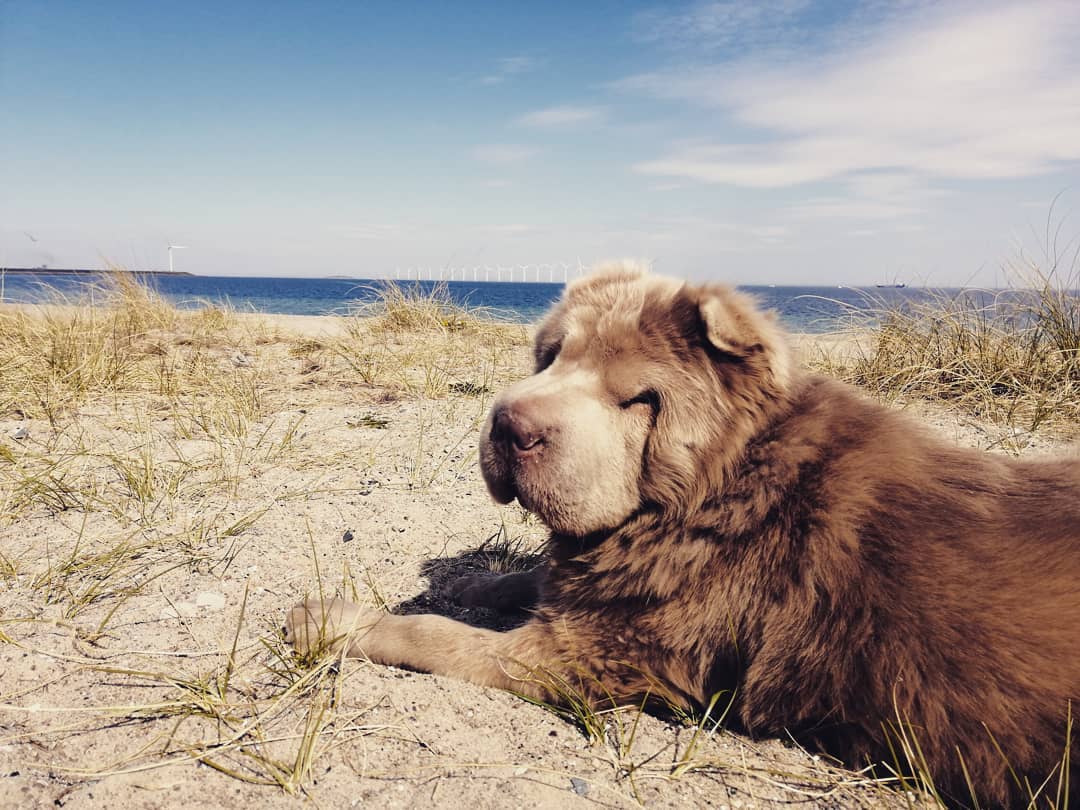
(503, 154)
(966, 92)
(849, 208)
(563, 116)
(717, 25)
(510, 66)
(728, 234)
(872, 196)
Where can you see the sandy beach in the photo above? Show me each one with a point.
(154, 534)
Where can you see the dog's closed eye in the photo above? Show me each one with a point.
(547, 355)
(646, 397)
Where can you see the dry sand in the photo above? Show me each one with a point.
(118, 686)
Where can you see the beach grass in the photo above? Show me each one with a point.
(136, 437)
(421, 343)
(1010, 357)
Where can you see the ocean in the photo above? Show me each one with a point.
(801, 309)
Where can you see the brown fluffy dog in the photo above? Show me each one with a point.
(723, 522)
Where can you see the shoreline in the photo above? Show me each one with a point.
(806, 344)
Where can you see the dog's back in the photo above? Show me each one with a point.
(934, 598)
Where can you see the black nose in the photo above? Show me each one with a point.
(513, 429)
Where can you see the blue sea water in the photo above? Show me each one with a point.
(801, 309)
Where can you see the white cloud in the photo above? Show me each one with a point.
(849, 208)
(715, 232)
(890, 186)
(508, 67)
(502, 154)
(871, 196)
(975, 92)
(564, 116)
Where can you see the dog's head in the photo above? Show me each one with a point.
(644, 388)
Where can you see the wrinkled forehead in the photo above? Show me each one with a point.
(604, 314)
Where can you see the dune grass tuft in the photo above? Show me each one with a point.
(119, 337)
(1009, 356)
(424, 344)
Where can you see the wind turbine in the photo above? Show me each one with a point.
(171, 249)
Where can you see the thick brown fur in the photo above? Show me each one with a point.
(729, 524)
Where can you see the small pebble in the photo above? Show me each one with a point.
(345, 538)
(579, 786)
(20, 433)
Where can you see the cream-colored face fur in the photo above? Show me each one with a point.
(629, 400)
(587, 409)
(581, 476)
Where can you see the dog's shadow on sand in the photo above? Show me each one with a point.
(442, 572)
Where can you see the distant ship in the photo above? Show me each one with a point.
(898, 286)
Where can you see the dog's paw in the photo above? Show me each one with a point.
(316, 625)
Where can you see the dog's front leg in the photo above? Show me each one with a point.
(503, 592)
(519, 660)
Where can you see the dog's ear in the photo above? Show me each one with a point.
(727, 328)
(738, 330)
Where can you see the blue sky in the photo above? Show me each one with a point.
(775, 142)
